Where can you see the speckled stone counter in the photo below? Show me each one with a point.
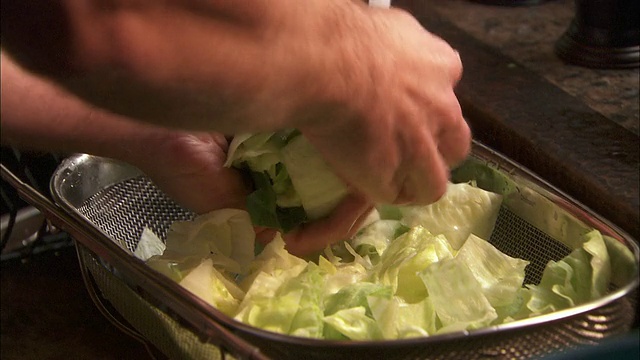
(527, 34)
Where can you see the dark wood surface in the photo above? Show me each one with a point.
(47, 314)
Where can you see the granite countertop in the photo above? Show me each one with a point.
(528, 33)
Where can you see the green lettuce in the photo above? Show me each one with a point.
(292, 182)
(409, 254)
(457, 296)
(149, 245)
(226, 237)
(294, 306)
(349, 315)
(395, 279)
(464, 209)
(579, 277)
(373, 239)
(500, 276)
(212, 286)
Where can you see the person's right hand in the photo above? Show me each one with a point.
(405, 128)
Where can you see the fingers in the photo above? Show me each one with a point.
(192, 172)
(426, 180)
(454, 141)
(264, 235)
(343, 223)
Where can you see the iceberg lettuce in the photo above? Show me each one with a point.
(409, 254)
(206, 282)
(579, 277)
(464, 209)
(348, 314)
(292, 306)
(149, 245)
(457, 296)
(395, 279)
(293, 183)
(500, 276)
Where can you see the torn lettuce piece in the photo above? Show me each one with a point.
(374, 239)
(319, 189)
(353, 324)
(581, 276)
(226, 235)
(174, 268)
(308, 320)
(463, 209)
(600, 263)
(499, 275)
(517, 310)
(340, 275)
(405, 258)
(271, 314)
(399, 320)
(213, 287)
(293, 306)
(348, 313)
(457, 296)
(149, 245)
(274, 261)
(623, 262)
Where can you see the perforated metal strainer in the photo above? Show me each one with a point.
(107, 204)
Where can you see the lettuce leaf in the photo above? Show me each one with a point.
(213, 287)
(374, 239)
(149, 245)
(226, 236)
(352, 323)
(457, 296)
(405, 258)
(579, 277)
(294, 306)
(464, 209)
(500, 276)
(319, 189)
(348, 314)
(292, 182)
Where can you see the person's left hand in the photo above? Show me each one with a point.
(189, 168)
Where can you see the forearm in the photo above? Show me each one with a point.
(229, 66)
(38, 115)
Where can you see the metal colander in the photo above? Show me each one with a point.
(107, 204)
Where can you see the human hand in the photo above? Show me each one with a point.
(189, 168)
(312, 237)
(403, 128)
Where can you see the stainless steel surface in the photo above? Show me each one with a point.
(536, 222)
